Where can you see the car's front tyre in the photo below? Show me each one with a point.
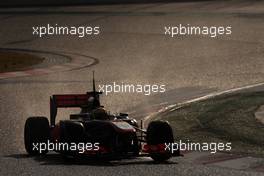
(159, 132)
(36, 131)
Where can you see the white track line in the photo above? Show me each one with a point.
(222, 159)
(173, 107)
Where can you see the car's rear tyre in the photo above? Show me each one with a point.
(36, 131)
(159, 132)
(70, 132)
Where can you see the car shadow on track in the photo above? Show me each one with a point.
(57, 159)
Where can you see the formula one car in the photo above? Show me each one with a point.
(101, 134)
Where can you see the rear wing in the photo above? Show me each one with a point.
(69, 101)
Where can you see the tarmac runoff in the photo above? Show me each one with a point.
(220, 159)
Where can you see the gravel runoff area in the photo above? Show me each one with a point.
(16, 61)
(224, 118)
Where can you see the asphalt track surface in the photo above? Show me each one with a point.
(131, 48)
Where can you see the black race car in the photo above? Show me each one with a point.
(95, 133)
